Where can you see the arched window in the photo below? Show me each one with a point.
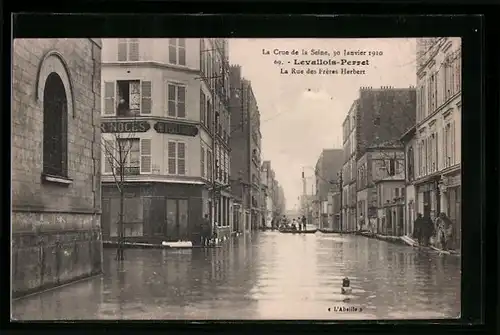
(54, 91)
(55, 115)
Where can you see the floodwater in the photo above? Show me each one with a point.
(268, 275)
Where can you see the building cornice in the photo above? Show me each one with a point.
(156, 178)
(151, 64)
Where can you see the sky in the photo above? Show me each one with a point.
(302, 114)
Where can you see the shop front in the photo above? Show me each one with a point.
(154, 212)
(451, 203)
(428, 197)
(223, 215)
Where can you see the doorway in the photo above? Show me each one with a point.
(176, 220)
(427, 204)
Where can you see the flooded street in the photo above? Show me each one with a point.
(269, 275)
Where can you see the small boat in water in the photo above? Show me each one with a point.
(294, 231)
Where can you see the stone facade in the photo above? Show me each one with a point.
(56, 234)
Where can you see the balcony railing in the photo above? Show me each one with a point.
(128, 170)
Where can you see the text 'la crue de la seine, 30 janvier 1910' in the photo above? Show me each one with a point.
(322, 66)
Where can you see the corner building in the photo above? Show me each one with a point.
(158, 102)
(56, 198)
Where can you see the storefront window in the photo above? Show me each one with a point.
(132, 217)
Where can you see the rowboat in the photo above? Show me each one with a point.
(290, 231)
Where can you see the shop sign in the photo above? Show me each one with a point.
(175, 128)
(125, 127)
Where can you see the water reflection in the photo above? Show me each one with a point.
(265, 276)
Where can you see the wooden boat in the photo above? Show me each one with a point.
(292, 231)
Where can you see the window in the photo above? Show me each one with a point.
(422, 160)
(128, 49)
(452, 149)
(176, 158)
(202, 162)
(392, 167)
(127, 98)
(411, 163)
(134, 154)
(457, 67)
(132, 216)
(202, 56)
(177, 51)
(128, 150)
(203, 106)
(209, 165)
(176, 104)
(55, 116)
(396, 190)
(436, 151)
(209, 115)
(447, 145)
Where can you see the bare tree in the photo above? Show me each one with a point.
(117, 150)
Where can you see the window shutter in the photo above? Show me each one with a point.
(209, 165)
(453, 143)
(146, 97)
(122, 49)
(181, 158)
(458, 72)
(171, 93)
(109, 98)
(172, 50)
(171, 153)
(108, 156)
(436, 150)
(202, 107)
(181, 48)
(181, 101)
(202, 162)
(442, 85)
(133, 49)
(145, 155)
(443, 148)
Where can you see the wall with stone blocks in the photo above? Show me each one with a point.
(56, 234)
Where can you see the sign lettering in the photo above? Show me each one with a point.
(125, 127)
(176, 128)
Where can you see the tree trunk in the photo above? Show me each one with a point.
(119, 255)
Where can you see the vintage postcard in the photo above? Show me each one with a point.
(220, 178)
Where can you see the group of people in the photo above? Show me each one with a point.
(299, 223)
(441, 228)
(208, 234)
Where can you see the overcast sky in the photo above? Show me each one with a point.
(302, 114)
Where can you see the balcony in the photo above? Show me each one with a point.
(128, 170)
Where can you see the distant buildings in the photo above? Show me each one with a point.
(245, 150)
(56, 157)
(402, 147)
(327, 172)
(377, 118)
(273, 198)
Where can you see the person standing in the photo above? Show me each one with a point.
(304, 222)
(206, 231)
(427, 230)
(444, 228)
(418, 229)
